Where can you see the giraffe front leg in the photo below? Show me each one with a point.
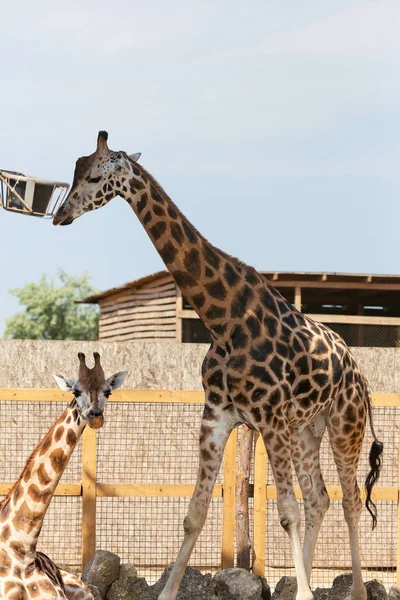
(278, 447)
(215, 429)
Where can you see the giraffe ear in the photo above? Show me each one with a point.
(116, 380)
(135, 157)
(65, 383)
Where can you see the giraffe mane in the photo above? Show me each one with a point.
(161, 190)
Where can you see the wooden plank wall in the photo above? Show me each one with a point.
(145, 313)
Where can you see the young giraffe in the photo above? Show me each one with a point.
(25, 573)
(269, 366)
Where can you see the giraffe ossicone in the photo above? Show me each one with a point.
(269, 367)
(25, 573)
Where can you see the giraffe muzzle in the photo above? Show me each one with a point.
(59, 220)
(95, 418)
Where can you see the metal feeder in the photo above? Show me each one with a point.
(29, 195)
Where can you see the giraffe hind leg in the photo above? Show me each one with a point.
(305, 456)
(288, 507)
(75, 589)
(346, 427)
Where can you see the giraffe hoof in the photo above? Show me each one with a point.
(359, 593)
(304, 596)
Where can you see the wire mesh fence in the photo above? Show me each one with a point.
(147, 532)
(145, 465)
(370, 336)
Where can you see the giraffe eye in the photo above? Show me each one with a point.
(76, 393)
(94, 180)
(107, 394)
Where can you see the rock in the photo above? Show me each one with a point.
(286, 589)
(375, 590)
(322, 594)
(136, 589)
(127, 570)
(129, 586)
(265, 589)
(237, 584)
(127, 573)
(95, 591)
(102, 570)
(341, 587)
(394, 593)
(194, 586)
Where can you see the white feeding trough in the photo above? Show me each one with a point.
(29, 195)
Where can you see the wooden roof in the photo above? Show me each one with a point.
(136, 283)
(279, 278)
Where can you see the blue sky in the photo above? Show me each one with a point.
(273, 125)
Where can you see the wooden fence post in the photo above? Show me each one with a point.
(260, 507)
(243, 540)
(228, 503)
(89, 466)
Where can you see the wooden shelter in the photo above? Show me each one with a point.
(363, 309)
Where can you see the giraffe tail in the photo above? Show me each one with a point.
(375, 462)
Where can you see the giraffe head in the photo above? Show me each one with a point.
(91, 389)
(97, 180)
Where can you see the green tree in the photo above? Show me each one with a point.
(50, 311)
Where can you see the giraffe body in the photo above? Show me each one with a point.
(25, 573)
(269, 367)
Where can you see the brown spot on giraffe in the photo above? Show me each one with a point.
(58, 460)
(59, 433)
(43, 476)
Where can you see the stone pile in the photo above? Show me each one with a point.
(108, 579)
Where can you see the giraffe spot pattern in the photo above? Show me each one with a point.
(71, 438)
(199, 300)
(215, 312)
(5, 564)
(241, 301)
(216, 289)
(43, 476)
(192, 262)
(156, 195)
(169, 253)
(177, 233)
(158, 210)
(211, 256)
(158, 230)
(190, 234)
(39, 495)
(59, 433)
(58, 460)
(184, 279)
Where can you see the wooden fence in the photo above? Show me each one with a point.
(90, 489)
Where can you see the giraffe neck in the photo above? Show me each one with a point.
(22, 511)
(211, 281)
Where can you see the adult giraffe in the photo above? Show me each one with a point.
(268, 366)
